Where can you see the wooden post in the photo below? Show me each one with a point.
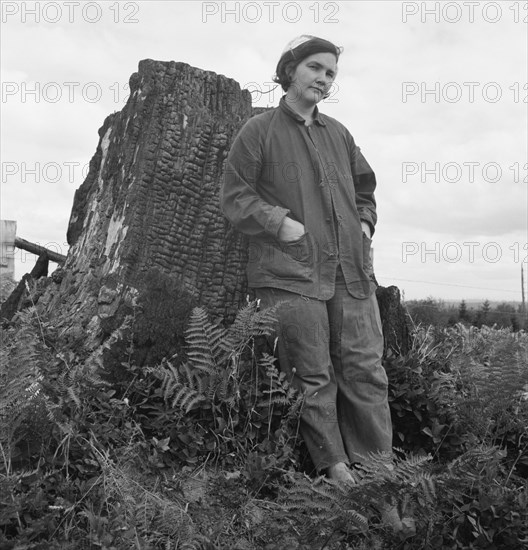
(7, 247)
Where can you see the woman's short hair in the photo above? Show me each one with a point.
(298, 49)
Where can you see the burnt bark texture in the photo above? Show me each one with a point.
(148, 241)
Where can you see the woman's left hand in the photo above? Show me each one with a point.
(366, 229)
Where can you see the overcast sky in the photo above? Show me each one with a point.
(434, 93)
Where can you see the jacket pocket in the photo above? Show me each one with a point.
(289, 260)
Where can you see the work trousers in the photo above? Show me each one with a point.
(331, 350)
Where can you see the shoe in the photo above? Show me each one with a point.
(340, 472)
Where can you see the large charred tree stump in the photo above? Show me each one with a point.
(147, 238)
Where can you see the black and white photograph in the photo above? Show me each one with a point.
(264, 270)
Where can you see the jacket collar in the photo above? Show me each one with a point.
(289, 111)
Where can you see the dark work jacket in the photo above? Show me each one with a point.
(315, 174)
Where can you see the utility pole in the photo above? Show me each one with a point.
(523, 306)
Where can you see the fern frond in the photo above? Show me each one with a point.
(170, 381)
(268, 362)
(189, 399)
(321, 506)
(204, 341)
(182, 392)
(250, 323)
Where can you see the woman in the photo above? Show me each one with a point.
(299, 187)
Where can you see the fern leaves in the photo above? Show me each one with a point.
(210, 372)
(204, 342)
(180, 389)
(250, 323)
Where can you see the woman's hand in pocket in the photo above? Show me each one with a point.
(290, 230)
(366, 229)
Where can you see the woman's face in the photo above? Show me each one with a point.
(312, 79)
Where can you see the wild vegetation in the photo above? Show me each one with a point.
(203, 451)
(432, 311)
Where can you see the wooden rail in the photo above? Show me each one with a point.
(38, 250)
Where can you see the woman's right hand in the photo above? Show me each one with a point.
(290, 230)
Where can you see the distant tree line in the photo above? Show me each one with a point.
(433, 311)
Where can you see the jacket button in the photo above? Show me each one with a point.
(327, 220)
